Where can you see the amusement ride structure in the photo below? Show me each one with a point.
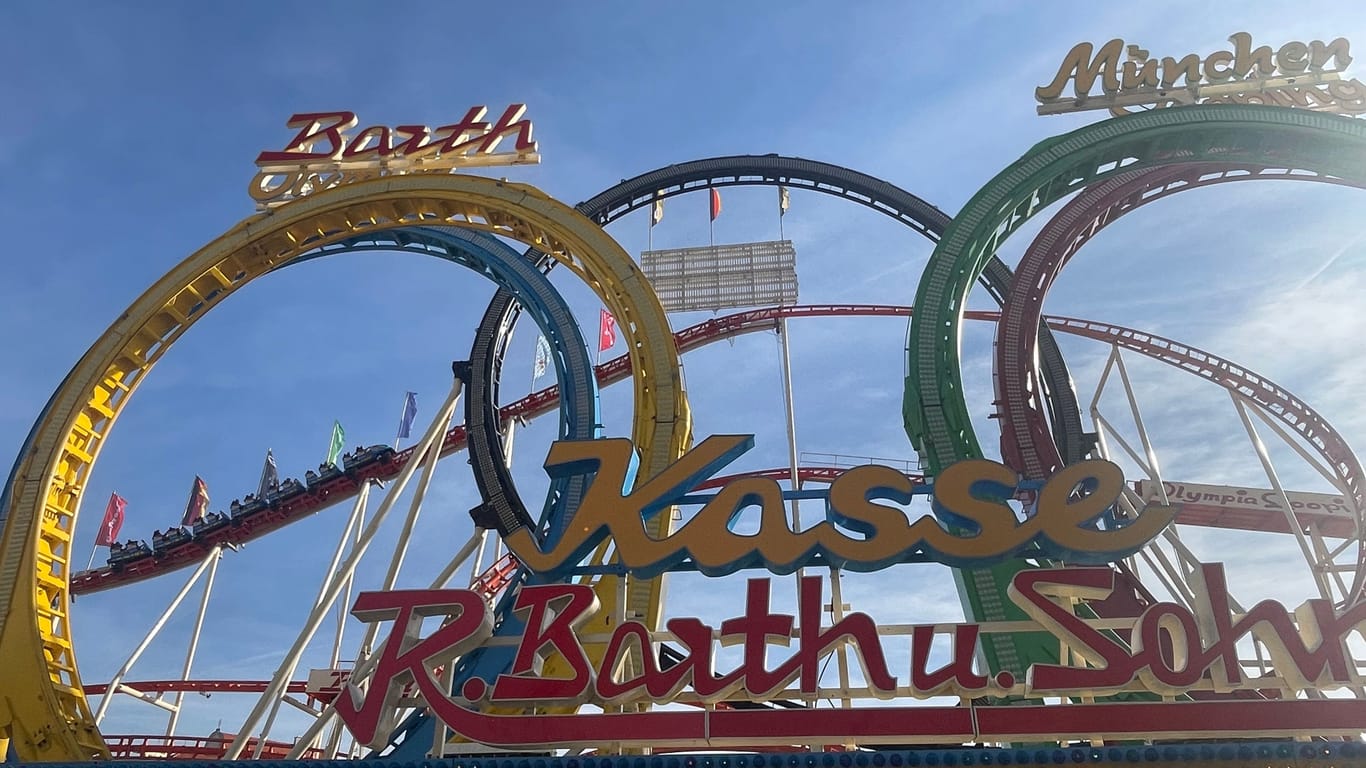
(1149, 606)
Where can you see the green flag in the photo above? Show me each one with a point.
(334, 450)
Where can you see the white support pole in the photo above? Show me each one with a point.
(1105, 423)
(363, 669)
(335, 659)
(842, 653)
(356, 518)
(477, 565)
(1178, 586)
(1308, 457)
(299, 705)
(1104, 377)
(791, 414)
(405, 535)
(154, 631)
(278, 684)
(330, 575)
(509, 432)
(1330, 567)
(1148, 451)
(1325, 591)
(194, 640)
(356, 524)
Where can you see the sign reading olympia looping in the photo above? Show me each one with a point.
(323, 155)
(858, 534)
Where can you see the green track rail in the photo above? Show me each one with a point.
(934, 409)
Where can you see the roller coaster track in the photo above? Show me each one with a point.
(568, 352)
(644, 597)
(44, 710)
(1272, 398)
(1024, 444)
(937, 419)
(346, 485)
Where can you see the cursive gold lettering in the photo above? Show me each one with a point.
(1245, 58)
(1082, 70)
(1217, 67)
(1142, 74)
(1293, 58)
(970, 497)
(1319, 54)
(1173, 70)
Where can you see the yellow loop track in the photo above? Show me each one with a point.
(42, 707)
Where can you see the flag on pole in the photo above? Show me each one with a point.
(542, 358)
(113, 521)
(607, 331)
(199, 502)
(405, 422)
(657, 211)
(715, 204)
(783, 200)
(270, 476)
(334, 449)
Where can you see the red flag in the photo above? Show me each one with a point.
(715, 204)
(199, 502)
(113, 521)
(607, 331)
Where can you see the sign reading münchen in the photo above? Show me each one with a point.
(1304, 75)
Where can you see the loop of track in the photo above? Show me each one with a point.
(511, 271)
(762, 320)
(1025, 441)
(644, 597)
(937, 419)
(45, 708)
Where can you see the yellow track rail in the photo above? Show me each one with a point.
(42, 707)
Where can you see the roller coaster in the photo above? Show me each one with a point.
(1115, 167)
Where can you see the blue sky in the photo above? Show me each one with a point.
(128, 142)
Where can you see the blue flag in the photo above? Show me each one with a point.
(405, 422)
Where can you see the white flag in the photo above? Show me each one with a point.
(542, 358)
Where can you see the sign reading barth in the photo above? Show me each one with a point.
(1297, 74)
(324, 154)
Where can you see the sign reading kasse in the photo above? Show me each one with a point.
(1166, 650)
(859, 534)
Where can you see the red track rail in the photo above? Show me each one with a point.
(196, 686)
(537, 403)
(825, 475)
(1025, 439)
(1267, 394)
(140, 747)
(612, 371)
